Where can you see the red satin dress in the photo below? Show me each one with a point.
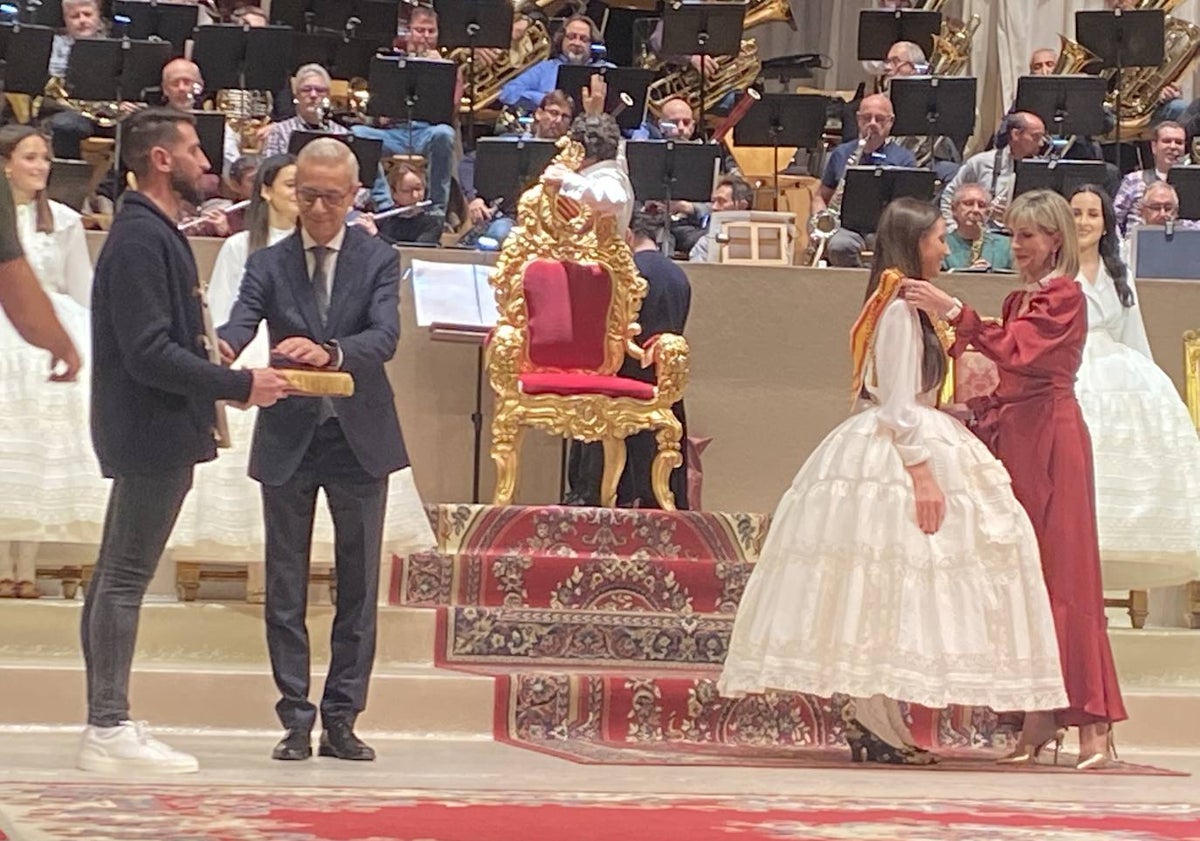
(1034, 425)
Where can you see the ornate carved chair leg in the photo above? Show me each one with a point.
(614, 466)
(666, 459)
(506, 452)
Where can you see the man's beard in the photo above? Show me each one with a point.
(576, 58)
(186, 190)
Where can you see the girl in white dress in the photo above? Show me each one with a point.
(899, 566)
(222, 518)
(50, 484)
(1145, 448)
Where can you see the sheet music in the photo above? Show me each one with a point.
(453, 294)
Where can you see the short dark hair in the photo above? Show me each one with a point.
(559, 98)
(740, 189)
(146, 129)
(599, 134)
(243, 166)
(421, 11)
(646, 225)
(1166, 124)
(557, 41)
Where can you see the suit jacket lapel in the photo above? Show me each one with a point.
(345, 277)
(297, 271)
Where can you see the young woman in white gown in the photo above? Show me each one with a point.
(898, 566)
(50, 484)
(222, 518)
(1145, 448)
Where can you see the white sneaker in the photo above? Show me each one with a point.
(129, 748)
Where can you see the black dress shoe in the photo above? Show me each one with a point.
(295, 744)
(338, 740)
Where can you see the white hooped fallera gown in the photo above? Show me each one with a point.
(51, 489)
(1144, 446)
(222, 517)
(850, 596)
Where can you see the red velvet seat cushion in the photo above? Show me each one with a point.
(567, 306)
(569, 384)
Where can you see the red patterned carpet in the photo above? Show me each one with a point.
(208, 813)
(605, 631)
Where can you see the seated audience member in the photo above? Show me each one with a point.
(664, 310)
(67, 126)
(433, 142)
(731, 193)
(572, 45)
(874, 119)
(1168, 146)
(310, 91)
(972, 245)
(416, 226)
(1022, 135)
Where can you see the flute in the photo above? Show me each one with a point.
(183, 226)
(408, 209)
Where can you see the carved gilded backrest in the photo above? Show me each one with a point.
(566, 281)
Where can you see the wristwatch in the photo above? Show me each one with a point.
(335, 353)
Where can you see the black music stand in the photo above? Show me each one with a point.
(210, 128)
(869, 189)
(412, 88)
(233, 56)
(783, 119)
(367, 18)
(46, 13)
(368, 152)
(633, 81)
(171, 22)
(671, 170)
(1134, 38)
(70, 182)
(1186, 181)
(344, 57)
(115, 70)
(934, 106)
(25, 51)
(1062, 177)
(505, 168)
(474, 24)
(1066, 104)
(878, 29)
(694, 27)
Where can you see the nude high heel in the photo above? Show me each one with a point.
(1027, 753)
(1100, 760)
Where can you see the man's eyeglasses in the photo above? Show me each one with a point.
(1160, 207)
(308, 196)
(321, 90)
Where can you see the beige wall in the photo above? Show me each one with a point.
(770, 377)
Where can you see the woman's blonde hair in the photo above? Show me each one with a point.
(1050, 213)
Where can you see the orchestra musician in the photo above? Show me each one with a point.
(972, 244)
(573, 44)
(1022, 135)
(1168, 146)
(67, 126)
(310, 93)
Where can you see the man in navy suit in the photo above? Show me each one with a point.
(330, 296)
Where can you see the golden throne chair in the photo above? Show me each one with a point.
(1191, 376)
(568, 295)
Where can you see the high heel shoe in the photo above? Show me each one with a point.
(865, 746)
(1027, 753)
(1100, 760)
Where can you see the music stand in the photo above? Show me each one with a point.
(694, 27)
(1186, 181)
(878, 29)
(342, 56)
(368, 152)
(633, 81)
(474, 24)
(1066, 104)
(1062, 177)
(48, 13)
(115, 70)
(413, 88)
(171, 22)
(25, 51)
(672, 170)
(233, 56)
(505, 168)
(783, 119)
(869, 189)
(210, 128)
(70, 182)
(1121, 39)
(933, 106)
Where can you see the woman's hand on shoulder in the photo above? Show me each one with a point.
(925, 296)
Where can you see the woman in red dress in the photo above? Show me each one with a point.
(1034, 425)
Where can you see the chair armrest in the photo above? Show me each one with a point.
(670, 354)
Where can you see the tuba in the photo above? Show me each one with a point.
(533, 46)
(952, 48)
(246, 112)
(1073, 57)
(733, 73)
(1140, 87)
(767, 11)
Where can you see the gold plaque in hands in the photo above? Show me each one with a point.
(311, 383)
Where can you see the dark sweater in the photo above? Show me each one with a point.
(153, 387)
